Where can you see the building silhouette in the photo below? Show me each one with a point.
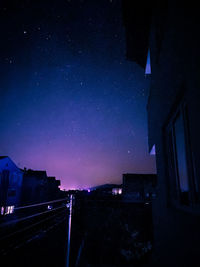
(20, 187)
(38, 187)
(11, 178)
(138, 188)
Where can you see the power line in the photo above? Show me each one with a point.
(40, 204)
(30, 226)
(28, 217)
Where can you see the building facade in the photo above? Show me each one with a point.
(172, 39)
(24, 187)
(11, 178)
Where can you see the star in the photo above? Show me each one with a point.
(74, 99)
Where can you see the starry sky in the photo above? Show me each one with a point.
(70, 102)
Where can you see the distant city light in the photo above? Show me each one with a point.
(117, 191)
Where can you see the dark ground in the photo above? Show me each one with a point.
(45, 246)
(104, 233)
(111, 233)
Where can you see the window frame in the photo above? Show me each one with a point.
(173, 180)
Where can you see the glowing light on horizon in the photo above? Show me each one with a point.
(117, 191)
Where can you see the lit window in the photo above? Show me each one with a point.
(117, 191)
(12, 209)
(2, 210)
(9, 210)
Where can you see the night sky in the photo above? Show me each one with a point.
(70, 102)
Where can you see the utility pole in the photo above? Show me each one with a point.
(69, 230)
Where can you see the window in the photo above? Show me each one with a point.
(8, 210)
(117, 191)
(2, 210)
(12, 193)
(180, 155)
(180, 173)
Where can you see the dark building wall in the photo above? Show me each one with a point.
(53, 190)
(174, 67)
(174, 47)
(10, 182)
(38, 187)
(34, 188)
(137, 19)
(175, 82)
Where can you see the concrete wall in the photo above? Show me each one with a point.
(175, 76)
